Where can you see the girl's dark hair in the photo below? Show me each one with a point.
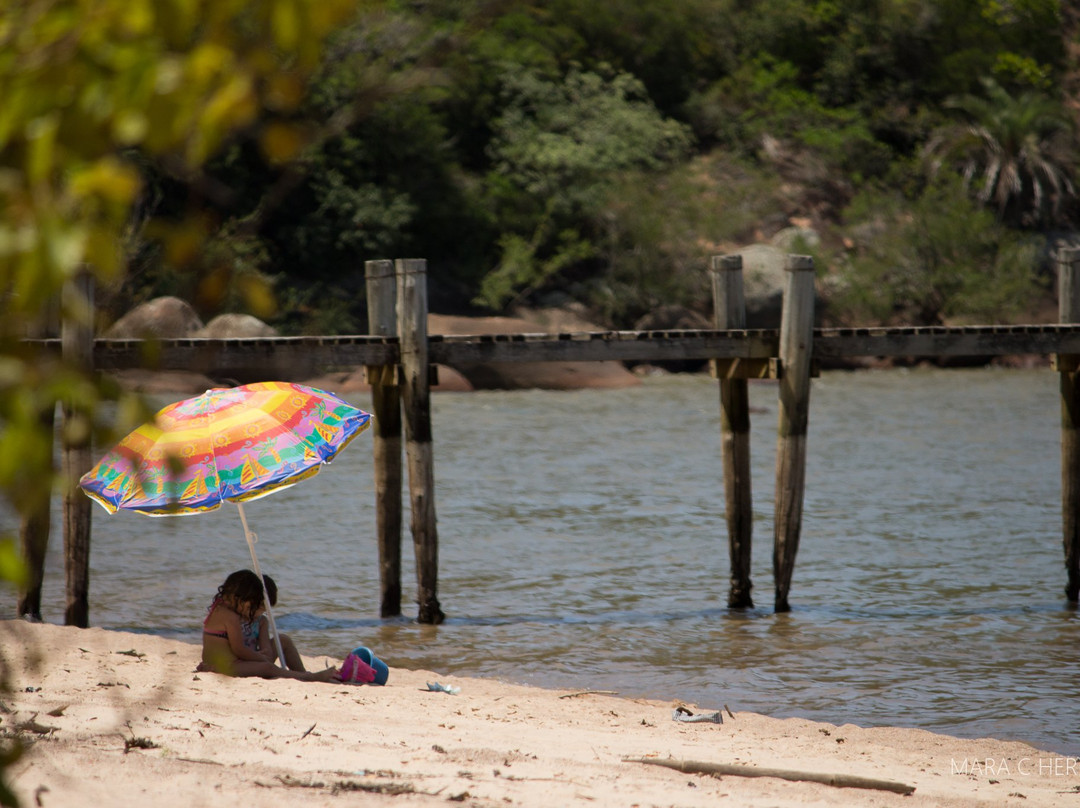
(246, 589)
(271, 589)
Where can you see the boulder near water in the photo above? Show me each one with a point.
(236, 326)
(532, 375)
(160, 318)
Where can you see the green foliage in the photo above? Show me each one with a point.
(764, 100)
(557, 150)
(381, 160)
(935, 258)
(656, 235)
(487, 136)
(1015, 152)
(668, 45)
(9, 756)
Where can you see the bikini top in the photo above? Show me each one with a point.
(223, 634)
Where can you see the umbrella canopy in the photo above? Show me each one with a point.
(226, 445)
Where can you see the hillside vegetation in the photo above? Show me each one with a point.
(539, 152)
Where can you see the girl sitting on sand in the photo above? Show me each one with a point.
(257, 634)
(239, 600)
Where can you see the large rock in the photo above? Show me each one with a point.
(160, 318)
(236, 326)
(354, 381)
(164, 382)
(796, 239)
(764, 279)
(527, 375)
(675, 318)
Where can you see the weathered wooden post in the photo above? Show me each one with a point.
(36, 522)
(796, 345)
(1068, 262)
(412, 311)
(386, 410)
(729, 312)
(77, 349)
(34, 537)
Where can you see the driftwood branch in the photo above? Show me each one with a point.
(718, 769)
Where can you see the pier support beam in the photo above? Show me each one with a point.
(412, 311)
(34, 537)
(796, 345)
(1068, 262)
(386, 438)
(729, 312)
(36, 514)
(77, 348)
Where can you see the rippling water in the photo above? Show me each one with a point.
(582, 545)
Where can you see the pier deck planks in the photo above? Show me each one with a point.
(283, 353)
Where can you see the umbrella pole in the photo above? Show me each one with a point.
(266, 595)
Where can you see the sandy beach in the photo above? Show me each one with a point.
(115, 719)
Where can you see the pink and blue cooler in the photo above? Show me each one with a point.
(362, 667)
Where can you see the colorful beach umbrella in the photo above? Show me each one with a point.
(226, 445)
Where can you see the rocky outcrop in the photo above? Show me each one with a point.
(527, 375)
(165, 382)
(236, 326)
(172, 318)
(448, 380)
(160, 318)
(675, 318)
(763, 284)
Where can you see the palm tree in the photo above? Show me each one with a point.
(1016, 152)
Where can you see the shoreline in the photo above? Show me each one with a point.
(117, 718)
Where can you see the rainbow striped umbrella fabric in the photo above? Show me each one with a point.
(226, 445)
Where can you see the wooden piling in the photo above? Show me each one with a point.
(1068, 263)
(729, 312)
(386, 412)
(34, 537)
(796, 344)
(77, 349)
(36, 520)
(412, 311)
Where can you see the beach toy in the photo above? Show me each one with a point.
(355, 671)
(363, 667)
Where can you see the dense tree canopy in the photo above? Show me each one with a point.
(497, 139)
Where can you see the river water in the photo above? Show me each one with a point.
(583, 546)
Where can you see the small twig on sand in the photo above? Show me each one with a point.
(31, 725)
(200, 760)
(589, 693)
(132, 652)
(293, 782)
(391, 789)
(309, 729)
(719, 769)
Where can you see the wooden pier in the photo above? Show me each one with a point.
(399, 356)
